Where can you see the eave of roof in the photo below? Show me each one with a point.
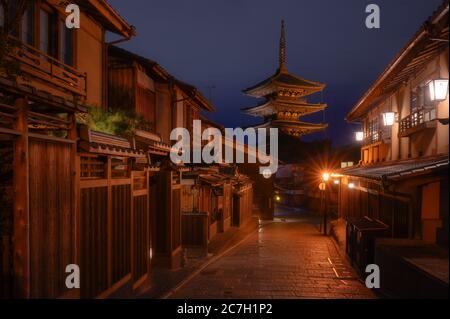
(398, 169)
(284, 78)
(414, 48)
(293, 105)
(192, 92)
(109, 17)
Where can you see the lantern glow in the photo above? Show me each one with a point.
(388, 118)
(326, 176)
(336, 182)
(438, 89)
(351, 185)
(359, 136)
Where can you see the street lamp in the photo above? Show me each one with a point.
(324, 189)
(388, 118)
(359, 136)
(438, 89)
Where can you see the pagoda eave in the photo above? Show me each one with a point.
(294, 128)
(274, 106)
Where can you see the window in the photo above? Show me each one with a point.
(65, 44)
(373, 130)
(420, 98)
(2, 16)
(27, 27)
(46, 32)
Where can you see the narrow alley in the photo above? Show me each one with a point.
(287, 258)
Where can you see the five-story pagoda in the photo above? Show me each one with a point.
(285, 99)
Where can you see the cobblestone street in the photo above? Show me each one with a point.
(287, 258)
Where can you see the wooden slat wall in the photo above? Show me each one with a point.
(122, 84)
(146, 104)
(6, 219)
(141, 236)
(121, 231)
(176, 218)
(93, 237)
(51, 217)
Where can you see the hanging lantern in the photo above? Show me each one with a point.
(388, 118)
(359, 136)
(438, 89)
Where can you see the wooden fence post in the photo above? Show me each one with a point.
(21, 209)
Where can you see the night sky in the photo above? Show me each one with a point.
(233, 44)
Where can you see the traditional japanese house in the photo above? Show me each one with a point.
(402, 179)
(48, 218)
(142, 86)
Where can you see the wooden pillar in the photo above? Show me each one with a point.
(21, 209)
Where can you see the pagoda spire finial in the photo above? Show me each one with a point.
(282, 53)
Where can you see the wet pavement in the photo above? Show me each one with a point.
(287, 258)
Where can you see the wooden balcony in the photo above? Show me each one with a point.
(373, 138)
(418, 121)
(35, 64)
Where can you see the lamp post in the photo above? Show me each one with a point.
(325, 179)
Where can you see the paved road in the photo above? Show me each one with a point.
(285, 259)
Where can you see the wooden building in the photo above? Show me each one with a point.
(45, 212)
(402, 178)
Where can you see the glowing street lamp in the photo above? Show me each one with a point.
(326, 176)
(388, 118)
(438, 89)
(359, 136)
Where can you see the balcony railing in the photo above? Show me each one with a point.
(375, 137)
(40, 65)
(421, 119)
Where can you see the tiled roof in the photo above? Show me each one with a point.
(398, 169)
(287, 79)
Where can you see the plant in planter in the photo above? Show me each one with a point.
(115, 122)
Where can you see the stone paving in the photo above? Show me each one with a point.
(287, 258)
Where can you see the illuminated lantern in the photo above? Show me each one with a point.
(326, 176)
(438, 89)
(351, 185)
(388, 118)
(359, 136)
(336, 182)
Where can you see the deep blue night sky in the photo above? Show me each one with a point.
(233, 44)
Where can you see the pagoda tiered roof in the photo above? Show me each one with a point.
(286, 84)
(272, 106)
(285, 99)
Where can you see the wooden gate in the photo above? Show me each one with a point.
(114, 225)
(52, 218)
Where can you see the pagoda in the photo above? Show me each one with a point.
(285, 99)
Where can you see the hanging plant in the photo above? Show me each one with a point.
(115, 122)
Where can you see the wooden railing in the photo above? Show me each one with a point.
(38, 64)
(417, 118)
(375, 137)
